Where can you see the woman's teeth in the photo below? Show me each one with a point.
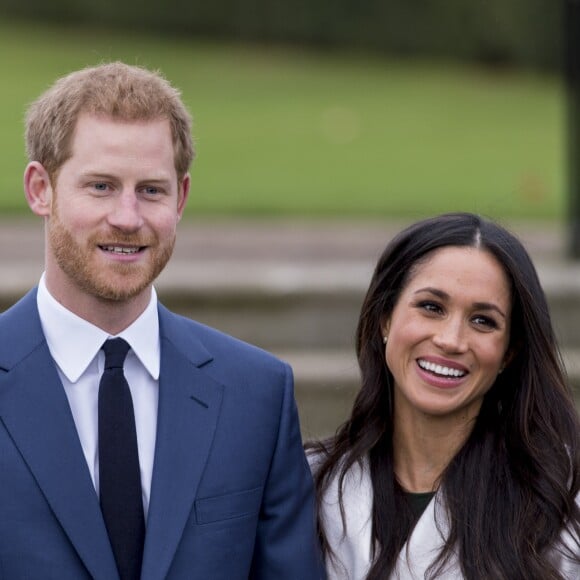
(440, 370)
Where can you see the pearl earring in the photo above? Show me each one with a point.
(385, 338)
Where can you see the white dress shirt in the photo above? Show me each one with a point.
(75, 346)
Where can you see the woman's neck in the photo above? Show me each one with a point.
(423, 446)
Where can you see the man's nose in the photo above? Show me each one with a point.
(125, 213)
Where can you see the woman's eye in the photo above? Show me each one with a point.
(484, 321)
(430, 307)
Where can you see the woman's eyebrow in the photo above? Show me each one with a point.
(477, 305)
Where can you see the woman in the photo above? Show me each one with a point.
(461, 456)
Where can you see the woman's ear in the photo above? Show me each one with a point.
(385, 325)
(38, 189)
(508, 357)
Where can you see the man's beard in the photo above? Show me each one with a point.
(117, 281)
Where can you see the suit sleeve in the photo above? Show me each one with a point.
(286, 546)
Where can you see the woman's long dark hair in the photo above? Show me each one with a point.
(510, 490)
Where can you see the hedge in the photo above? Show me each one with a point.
(524, 33)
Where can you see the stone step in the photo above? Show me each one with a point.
(302, 305)
(294, 305)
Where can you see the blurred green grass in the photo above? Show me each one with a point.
(287, 131)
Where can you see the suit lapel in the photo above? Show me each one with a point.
(35, 411)
(189, 404)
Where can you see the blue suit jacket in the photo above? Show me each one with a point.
(231, 493)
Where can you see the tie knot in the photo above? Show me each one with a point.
(116, 350)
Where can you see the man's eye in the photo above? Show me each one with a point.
(151, 190)
(100, 186)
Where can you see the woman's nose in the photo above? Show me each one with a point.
(450, 336)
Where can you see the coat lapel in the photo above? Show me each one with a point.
(35, 411)
(425, 543)
(189, 404)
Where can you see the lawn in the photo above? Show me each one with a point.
(282, 131)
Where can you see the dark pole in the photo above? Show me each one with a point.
(572, 87)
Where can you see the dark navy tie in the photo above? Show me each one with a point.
(119, 475)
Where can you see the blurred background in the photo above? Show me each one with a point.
(318, 107)
(321, 127)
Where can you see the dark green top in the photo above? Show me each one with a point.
(419, 501)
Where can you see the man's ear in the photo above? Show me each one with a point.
(38, 189)
(182, 194)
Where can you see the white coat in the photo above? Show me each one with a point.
(352, 546)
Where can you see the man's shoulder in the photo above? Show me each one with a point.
(22, 307)
(240, 366)
(219, 344)
(20, 319)
(20, 330)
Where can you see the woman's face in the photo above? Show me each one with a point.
(448, 334)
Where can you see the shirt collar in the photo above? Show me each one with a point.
(73, 342)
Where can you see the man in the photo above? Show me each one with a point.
(203, 443)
